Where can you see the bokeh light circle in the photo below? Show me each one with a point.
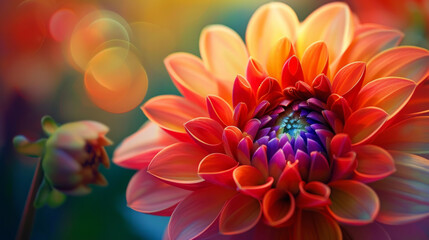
(61, 24)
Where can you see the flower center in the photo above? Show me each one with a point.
(291, 123)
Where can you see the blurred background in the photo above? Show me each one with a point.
(101, 60)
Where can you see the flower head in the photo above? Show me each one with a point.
(307, 129)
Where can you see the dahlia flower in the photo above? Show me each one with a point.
(312, 130)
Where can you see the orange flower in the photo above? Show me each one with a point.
(307, 129)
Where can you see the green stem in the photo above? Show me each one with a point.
(26, 224)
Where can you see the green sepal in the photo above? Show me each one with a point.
(26, 147)
(56, 198)
(49, 125)
(42, 194)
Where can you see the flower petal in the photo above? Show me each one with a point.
(314, 225)
(220, 110)
(250, 181)
(137, 150)
(419, 102)
(197, 212)
(373, 163)
(278, 206)
(404, 195)
(191, 77)
(390, 94)
(348, 81)
(369, 231)
(410, 135)
(217, 168)
(315, 60)
(240, 214)
(148, 194)
(405, 62)
(206, 132)
(178, 164)
(364, 123)
(268, 25)
(353, 202)
(223, 52)
(313, 194)
(171, 112)
(279, 54)
(332, 24)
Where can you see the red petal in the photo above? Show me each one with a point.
(348, 81)
(220, 110)
(353, 202)
(290, 178)
(206, 132)
(322, 87)
(314, 225)
(364, 123)
(343, 167)
(313, 194)
(369, 231)
(217, 168)
(147, 194)
(240, 214)
(255, 74)
(231, 136)
(250, 181)
(278, 206)
(373, 163)
(319, 168)
(340, 145)
(242, 92)
(291, 72)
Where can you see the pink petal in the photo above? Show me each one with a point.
(369, 231)
(240, 214)
(171, 112)
(147, 194)
(260, 161)
(197, 212)
(364, 123)
(278, 206)
(353, 202)
(404, 195)
(314, 225)
(178, 164)
(217, 168)
(373, 163)
(206, 132)
(137, 150)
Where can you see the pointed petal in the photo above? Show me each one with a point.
(178, 164)
(405, 62)
(278, 206)
(220, 110)
(410, 135)
(231, 136)
(315, 60)
(206, 132)
(242, 92)
(373, 163)
(332, 24)
(260, 161)
(313, 225)
(148, 194)
(390, 94)
(291, 72)
(223, 52)
(290, 178)
(364, 123)
(319, 168)
(217, 168)
(353, 202)
(197, 212)
(419, 102)
(268, 25)
(250, 181)
(171, 112)
(279, 54)
(191, 77)
(404, 195)
(255, 74)
(348, 81)
(137, 150)
(240, 214)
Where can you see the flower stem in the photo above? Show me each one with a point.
(26, 224)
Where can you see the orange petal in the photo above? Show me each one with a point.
(353, 202)
(348, 81)
(250, 181)
(404, 195)
(268, 25)
(178, 164)
(405, 62)
(419, 102)
(364, 123)
(206, 132)
(278, 206)
(220, 110)
(197, 212)
(410, 135)
(148, 194)
(314, 225)
(231, 136)
(171, 112)
(240, 214)
(313, 194)
(332, 24)
(315, 60)
(137, 150)
(390, 94)
(223, 52)
(279, 54)
(191, 77)
(373, 163)
(367, 44)
(217, 168)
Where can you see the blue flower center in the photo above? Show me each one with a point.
(291, 123)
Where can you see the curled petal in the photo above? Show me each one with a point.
(250, 181)
(206, 132)
(223, 52)
(322, 87)
(268, 25)
(148, 194)
(315, 61)
(313, 194)
(240, 214)
(373, 163)
(171, 112)
(315, 225)
(364, 123)
(217, 168)
(343, 167)
(353, 202)
(278, 206)
(279, 54)
(191, 77)
(255, 74)
(220, 110)
(404, 195)
(178, 164)
(197, 212)
(137, 150)
(230, 137)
